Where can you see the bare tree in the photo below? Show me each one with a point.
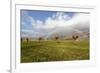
(27, 39)
(75, 37)
(21, 39)
(40, 38)
(56, 37)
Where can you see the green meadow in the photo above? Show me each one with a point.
(54, 50)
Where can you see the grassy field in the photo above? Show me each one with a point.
(54, 50)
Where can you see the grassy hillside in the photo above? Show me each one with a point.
(54, 50)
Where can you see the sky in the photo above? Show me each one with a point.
(35, 23)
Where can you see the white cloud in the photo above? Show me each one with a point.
(59, 22)
(81, 18)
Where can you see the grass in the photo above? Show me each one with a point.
(54, 50)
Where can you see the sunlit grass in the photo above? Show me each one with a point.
(54, 50)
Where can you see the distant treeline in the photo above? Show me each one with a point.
(74, 37)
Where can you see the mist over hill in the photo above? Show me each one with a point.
(64, 33)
